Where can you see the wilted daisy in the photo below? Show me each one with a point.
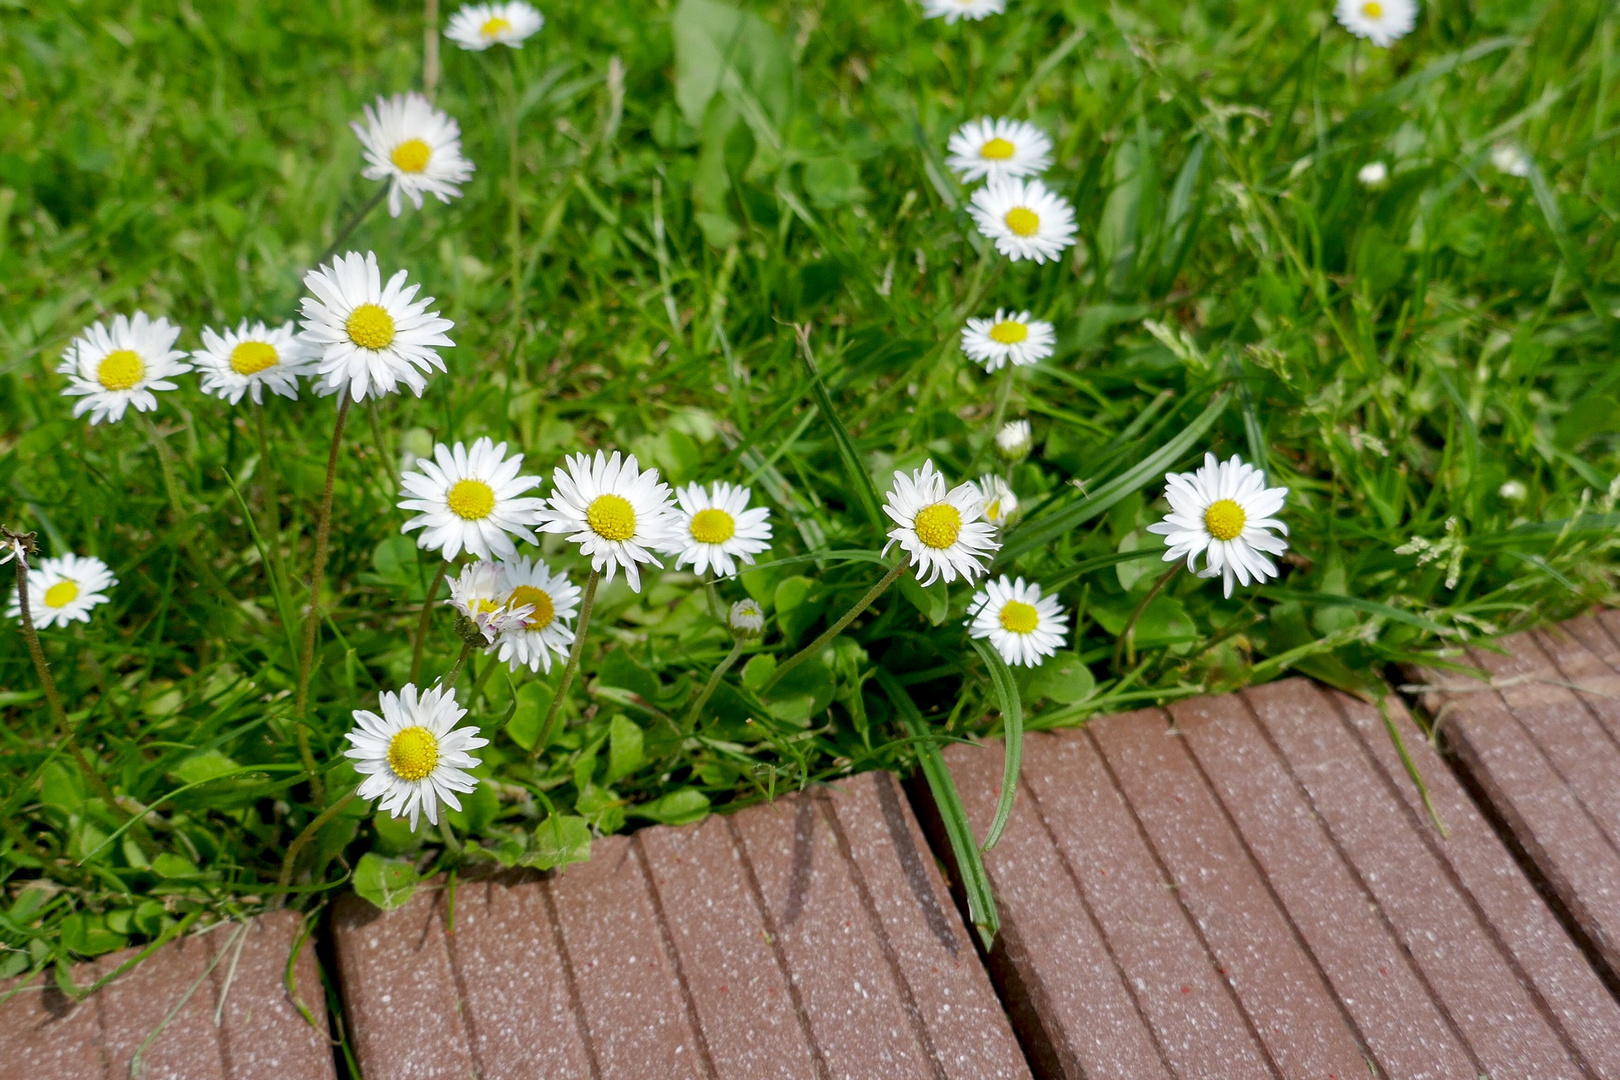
(989, 149)
(415, 147)
(371, 337)
(64, 589)
(1373, 174)
(252, 359)
(944, 532)
(1510, 159)
(478, 26)
(479, 597)
(1023, 625)
(712, 527)
(1000, 504)
(550, 600)
(413, 756)
(114, 369)
(951, 10)
(1014, 439)
(1024, 219)
(617, 513)
(747, 619)
(1224, 510)
(1007, 338)
(1379, 21)
(470, 499)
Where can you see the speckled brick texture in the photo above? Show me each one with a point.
(1250, 885)
(213, 1006)
(811, 939)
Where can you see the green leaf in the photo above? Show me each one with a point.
(758, 671)
(1062, 678)
(679, 807)
(559, 840)
(478, 808)
(711, 38)
(625, 753)
(620, 670)
(395, 835)
(387, 883)
(1012, 723)
(86, 934)
(175, 867)
(934, 601)
(533, 699)
(198, 768)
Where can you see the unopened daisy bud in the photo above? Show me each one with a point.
(481, 604)
(747, 620)
(413, 755)
(1373, 174)
(476, 27)
(415, 148)
(1513, 491)
(1000, 504)
(943, 532)
(1013, 440)
(1225, 512)
(371, 337)
(114, 369)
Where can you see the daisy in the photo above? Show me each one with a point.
(617, 513)
(1379, 21)
(1020, 623)
(369, 335)
(115, 369)
(1007, 338)
(415, 147)
(478, 26)
(1509, 159)
(1014, 440)
(550, 601)
(951, 10)
(941, 530)
(1024, 219)
(747, 619)
(1224, 510)
(64, 589)
(470, 499)
(1373, 174)
(413, 756)
(252, 359)
(479, 596)
(1000, 504)
(988, 149)
(712, 527)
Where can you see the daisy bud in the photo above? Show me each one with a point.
(481, 605)
(1014, 440)
(747, 620)
(1513, 491)
(1373, 174)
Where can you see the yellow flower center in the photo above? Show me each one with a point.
(530, 597)
(1373, 9)
(712, 526)
(992, 511)
(996, 150)
(1019, 617)
(1023, 221)
(252, 357)
(494, 27)
(370, 327)
(411, 155)
(471, 500)
(1009, 332)
(612, 517)
(413, 754)
(939, 525)
(120, 370)
(1225, 520)
(61, 594)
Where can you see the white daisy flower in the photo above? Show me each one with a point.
(1000, 504)
(1373, 174)
(747, 619)
(1513, 490)
(415, 147)
(1224, 510)
(470, 499)
(114, 369)
(942, 531)
(478, 595)
(1024, 219)
(413, 756)
(617, 513)
(550, 599)
(11, 547)
(1023, 625)
(951, 10)
(1007, 338)
(1379, 21)
(478, 26)
(989, 149)
(64, 590)
(1014, 439)
(1509, 159)
(371, 337)
(252, 359)
(711, 528)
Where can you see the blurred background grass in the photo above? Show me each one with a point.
(1394, 355)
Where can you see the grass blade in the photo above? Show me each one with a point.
(859, 481)
(1012, 723)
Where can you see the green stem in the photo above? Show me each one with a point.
(430, 47)
(289, 860)
(317, 575)
(836, 628)
(352, 224)
(515, 224)
(1127, 636)
(450, 677)
(708, 690)
(1003, 393)
(445, 832)
(374, 415)
(554, 713)
(714, 597)
(182, 520)
(483, 677)
(426, 620)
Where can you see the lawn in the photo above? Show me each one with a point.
(730, 243)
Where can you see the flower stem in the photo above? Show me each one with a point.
(430, 47)
(714, 597)
(317, 575)
(425, 621)
(515, 226)
(1127, 636)
(836, 628)
(1003, 393)
(445, 833)
(352, 224)
(690, 721)
(450, 677)
(483, 677)
(554, 713)
(289, 860)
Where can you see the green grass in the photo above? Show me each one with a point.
(1393, 356)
